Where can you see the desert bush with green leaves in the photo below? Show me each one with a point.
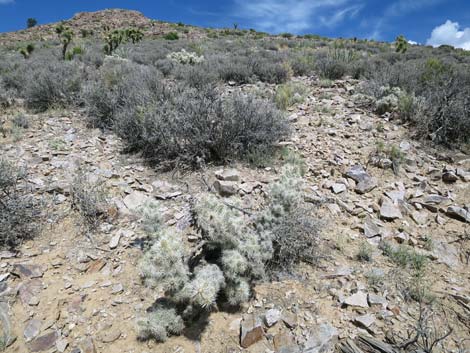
(236, 249)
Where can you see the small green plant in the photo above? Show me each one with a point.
(401, 44)
(27, 50)
(365, 252)
(171, 36)
(404, 256)
(65, 35)
(390, 153)
(375, 278)
(31, 22)
(289, 94)
(57, 144)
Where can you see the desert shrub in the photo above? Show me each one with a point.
(289, 94)
(19, 211)
(88, 198)
(55, 84)
(271, 72)
(197, 76)
(302, 65)
(21, 121)
(335, 63)
(187, 124)
(119, 82)
(235, 251)
(171, 36)
(236, 70)
(435, 96)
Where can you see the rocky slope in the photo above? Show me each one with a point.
(95, 21)
(71, 290)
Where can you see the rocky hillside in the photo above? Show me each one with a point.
(115, 153)
(94, 22)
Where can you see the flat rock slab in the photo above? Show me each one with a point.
(32, 329)
(43, 343)
(365, 182)
(365, 320)
(228, 175)
(389, 211)
(134, 200)
(458, 213)
(226, 188)
(27, 271)
(358, 299)
(29, 289)
(251, 331)
(371, 229)
(322, 339)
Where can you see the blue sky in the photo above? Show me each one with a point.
(376, 19)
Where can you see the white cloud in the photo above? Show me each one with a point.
(3, 2)
(450, 33)
(293, 15)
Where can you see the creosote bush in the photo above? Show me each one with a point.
(19, 211)
(236, 249)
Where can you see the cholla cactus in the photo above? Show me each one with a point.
(203, 289)
(163, 265)
(234, 252)
(160, 323)
(151, 221)
(220, 224)
(184, 57)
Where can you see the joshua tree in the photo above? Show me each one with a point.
(26, 51)
(65, 35)
(31, 22)
(401, 44)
